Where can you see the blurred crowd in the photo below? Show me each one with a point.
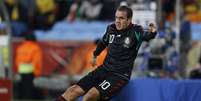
(160, 58)
(42, 14)
(29, 15)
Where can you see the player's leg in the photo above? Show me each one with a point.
(77, 90)
(110, 86)
(83, 86)
(73, 92)
(92, 95)
(107, 88)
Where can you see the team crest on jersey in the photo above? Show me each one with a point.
(127, 42)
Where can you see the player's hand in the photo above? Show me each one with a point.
(152, 28)
(93, 61)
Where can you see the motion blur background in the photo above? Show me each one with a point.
(66, 33)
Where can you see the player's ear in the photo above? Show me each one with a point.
(129, 19)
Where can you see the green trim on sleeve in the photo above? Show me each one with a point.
(139, 39)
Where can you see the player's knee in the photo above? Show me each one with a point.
(75, 89)
(73, 92)
(91, 95)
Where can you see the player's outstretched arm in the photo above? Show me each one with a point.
(100, 47)
(102, 44)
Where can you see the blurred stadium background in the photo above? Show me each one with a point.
(67, 30)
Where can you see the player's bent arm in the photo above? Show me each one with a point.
(102, 44)
(149, 35)
(100, 47)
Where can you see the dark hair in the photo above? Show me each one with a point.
(127, 10)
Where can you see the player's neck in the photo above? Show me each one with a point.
(128, 26)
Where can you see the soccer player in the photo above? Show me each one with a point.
(123, 40)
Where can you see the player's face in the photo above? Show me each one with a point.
(121, 20)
